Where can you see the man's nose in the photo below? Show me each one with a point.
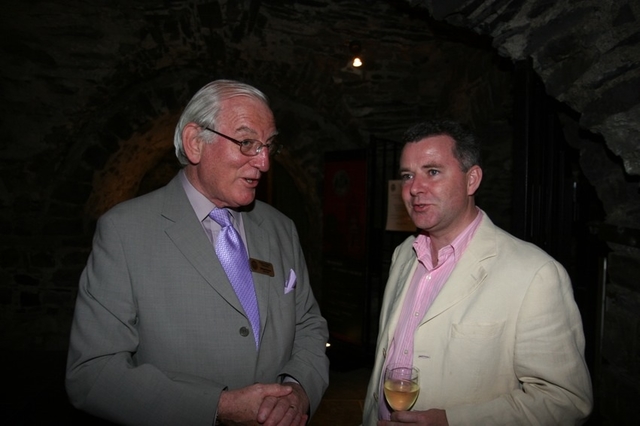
(261, 161)
(416, 186)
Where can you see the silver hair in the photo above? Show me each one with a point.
(204, 107)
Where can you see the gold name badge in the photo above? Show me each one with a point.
(261, 267)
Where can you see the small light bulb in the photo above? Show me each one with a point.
(357, 62)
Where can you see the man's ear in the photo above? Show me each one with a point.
(474, 177)
(192, 143)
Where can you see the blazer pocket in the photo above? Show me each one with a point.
(476, 330)
(477, 353)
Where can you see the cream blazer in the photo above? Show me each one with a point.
(502, 343)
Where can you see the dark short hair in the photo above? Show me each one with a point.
(466, 146)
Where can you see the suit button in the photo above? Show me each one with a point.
(244, 331)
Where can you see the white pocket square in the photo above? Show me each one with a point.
(290, 284)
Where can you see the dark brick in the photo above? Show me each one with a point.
(42, 259)
(28, 299)
(6, 296)
(72, 191)
(119, 124)
(75, 258)
(28, 280)
(66, 278)
(96, 156)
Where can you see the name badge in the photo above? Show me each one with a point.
(261, 267)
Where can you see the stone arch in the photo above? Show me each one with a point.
(125, 169)
(132, 142)
(121, 142)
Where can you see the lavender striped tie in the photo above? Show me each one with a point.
(234, 260)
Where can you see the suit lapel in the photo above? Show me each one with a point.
(186, 232)
(469, 274)
(258, 246)
(407, 264)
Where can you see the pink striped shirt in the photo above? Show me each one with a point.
(426, 283)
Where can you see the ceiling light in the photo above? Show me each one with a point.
(356, 51)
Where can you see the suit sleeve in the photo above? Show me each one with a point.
(548, 361)
(102, 378)
(308, 364)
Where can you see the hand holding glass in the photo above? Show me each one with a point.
(401, 386)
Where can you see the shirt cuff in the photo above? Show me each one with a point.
(288, 379)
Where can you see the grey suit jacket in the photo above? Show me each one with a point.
(159, 333)
(502, 343)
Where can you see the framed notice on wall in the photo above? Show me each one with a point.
(397, 217)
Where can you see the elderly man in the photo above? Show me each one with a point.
(195, 306)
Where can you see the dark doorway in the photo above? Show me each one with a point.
(554, 206)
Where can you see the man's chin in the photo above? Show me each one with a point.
(245, 200)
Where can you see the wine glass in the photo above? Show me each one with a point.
(401, 386)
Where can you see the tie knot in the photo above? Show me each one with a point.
(221, 216)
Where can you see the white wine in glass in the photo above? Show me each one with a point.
(401, 386)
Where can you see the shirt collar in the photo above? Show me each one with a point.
(200, 204)
(422, 244)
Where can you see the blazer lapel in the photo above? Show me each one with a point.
(407, 264)
(186, 232)
(469, 274)
(258, 246)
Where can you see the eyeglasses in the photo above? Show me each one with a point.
(251, 147)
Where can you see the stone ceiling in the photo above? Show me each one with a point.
(79, 78)
(587, 53)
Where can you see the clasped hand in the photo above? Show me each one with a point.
(264, 404)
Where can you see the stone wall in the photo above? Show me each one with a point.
(587, 53)
(91, 91)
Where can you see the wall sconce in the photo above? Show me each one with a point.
(352, 70)
(356, 50)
